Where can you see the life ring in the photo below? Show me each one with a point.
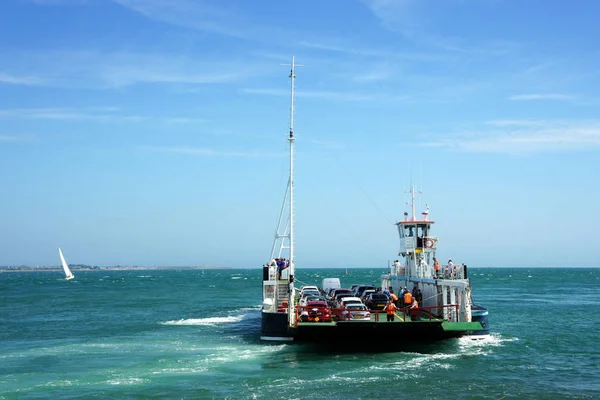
(429, 243)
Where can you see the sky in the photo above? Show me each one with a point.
(153, 132)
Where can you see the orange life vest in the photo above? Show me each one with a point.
(391, 308)
(436, 265)
(408, 298)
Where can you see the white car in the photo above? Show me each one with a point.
(309, 292)
(307, 288)
(350, 300)
(356, 312)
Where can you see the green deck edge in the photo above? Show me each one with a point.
(462, 326)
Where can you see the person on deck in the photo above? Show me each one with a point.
(436, 267)
(408, 298)
(449, 267)
(390, 309)
(414, 310)
(394, 298)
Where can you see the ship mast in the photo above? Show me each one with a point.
(291, 139)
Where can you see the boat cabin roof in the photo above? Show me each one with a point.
(415, 222)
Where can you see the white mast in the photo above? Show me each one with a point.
(412, 202)
(291, 139)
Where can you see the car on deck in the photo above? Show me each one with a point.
(355, 312)
(376, 301)
(311, 297)
(366, 293)
(350, 300)
(315, 311)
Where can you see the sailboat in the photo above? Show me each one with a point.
(278, 309)
(68, 273)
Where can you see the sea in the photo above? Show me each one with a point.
(195, 334)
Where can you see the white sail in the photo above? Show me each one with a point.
(68, 273)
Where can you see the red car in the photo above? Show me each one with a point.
(315, 311)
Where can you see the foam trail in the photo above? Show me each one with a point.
(211, 321)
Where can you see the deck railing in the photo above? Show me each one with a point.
(413, 314)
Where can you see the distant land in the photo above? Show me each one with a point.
(80, 267)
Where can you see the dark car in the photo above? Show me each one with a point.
(376, 301)
(336, 301)
(338, 291)
(315, 311)
(360, 289)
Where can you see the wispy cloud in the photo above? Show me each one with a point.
(95, 114)
(20, 80)
(376, 74)
(68, 114)
(525, 137)
(102, 70)
(207, 152)
(328, 95)
(416, 21)
(327, 144)
(541, 96)
(516, 122)
(203, 15)
(15, 138)
(63, 2)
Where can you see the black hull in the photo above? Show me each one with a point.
(274, 327)
(351, 333)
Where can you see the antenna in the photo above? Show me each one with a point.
(293, 79)
(412, 200)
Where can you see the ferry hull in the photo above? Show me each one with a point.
(274, 327)
(377, 334)
(480, 315)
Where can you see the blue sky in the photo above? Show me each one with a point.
(153, 132)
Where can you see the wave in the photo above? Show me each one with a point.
(205, 321)
(476, 345)
(128, 381)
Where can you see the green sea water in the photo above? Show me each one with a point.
(185, 334)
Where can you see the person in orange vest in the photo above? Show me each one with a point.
(390, 309)
(394, 298)
(436, 267)
(408, 298)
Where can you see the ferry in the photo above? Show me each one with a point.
(441, 304)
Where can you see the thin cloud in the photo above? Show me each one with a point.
(63, 2)
(543, 136)
(67, 114)
(516, 122)
(414, 21)
(541, 96)
(95, 114)
(202, 15)
(328, 95)
(110, 70)
(20, 80)
(207, 152)
(376, 74)
(15, 138)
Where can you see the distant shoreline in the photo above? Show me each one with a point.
(117, 268)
